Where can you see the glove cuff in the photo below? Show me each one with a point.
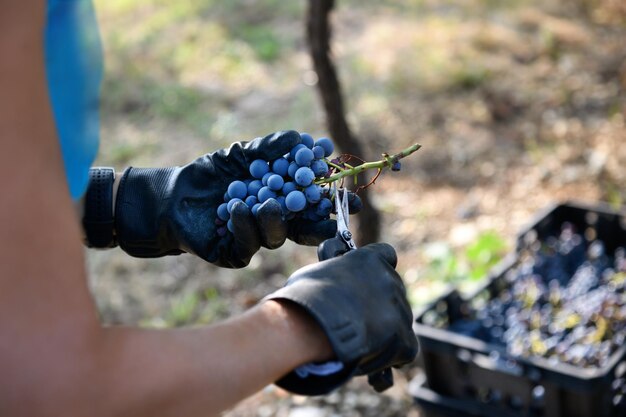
(316, 384)
(140, 221)
(345, 336)
(98, 222)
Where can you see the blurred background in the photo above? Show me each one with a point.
(518, 104)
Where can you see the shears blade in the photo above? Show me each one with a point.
(343, 217)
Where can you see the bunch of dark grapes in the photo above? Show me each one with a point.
(565, 301)
(290, 180)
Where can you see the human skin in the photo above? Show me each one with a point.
(56, 357)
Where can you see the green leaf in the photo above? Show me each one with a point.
(183, 309)
(487, 246)
(483, 254)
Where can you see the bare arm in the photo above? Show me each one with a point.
(201, 371)
(55, 357)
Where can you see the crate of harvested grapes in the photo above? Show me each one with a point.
(545, 335)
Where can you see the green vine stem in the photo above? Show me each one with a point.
(386, 162)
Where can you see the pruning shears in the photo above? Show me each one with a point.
(342, 243)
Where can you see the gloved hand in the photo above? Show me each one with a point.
(167, 211)
(360, 302)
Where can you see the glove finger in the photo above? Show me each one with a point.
(272, 146)
(386, 251)
(310, 233)
(247, 240)
(407, 352)
(398, 353)
(380, 361)
(272, 227)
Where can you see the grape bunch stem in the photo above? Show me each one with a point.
(386, 162)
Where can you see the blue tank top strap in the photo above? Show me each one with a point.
(73, 57)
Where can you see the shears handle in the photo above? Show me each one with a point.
(381, 380)
(331, 248)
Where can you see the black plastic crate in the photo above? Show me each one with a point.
(432, 404)
(465, 368)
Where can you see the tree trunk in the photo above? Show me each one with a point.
(318, 37)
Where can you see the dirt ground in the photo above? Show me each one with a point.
(516, 108)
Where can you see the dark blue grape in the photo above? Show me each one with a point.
(254, 187)
(266, 177)
(280, 166)
(237, 189)
(230, 226)
(304, 157)
(324, 207)
(265, 194)
(251, 200)
(304, 176)
(355, 202)
(255, 208)
(313, 193)
(295, 201)
(319, 168)
(291, 171)
(307, 140)
(295, 149)
(258, 168)
(396, 166)
(327, 145)
(289, 187)
(275, 182)
(222, 212)
(231, 203)
(318, 152)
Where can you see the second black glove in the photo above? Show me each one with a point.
(360, 302)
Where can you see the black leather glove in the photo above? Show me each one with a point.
(360, 302)
(167, 211)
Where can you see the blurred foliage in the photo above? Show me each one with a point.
(187, 37)
(191, 308)
(142, 99)
(182, 310)
(445, 266)
(471, 262)
(484, 253)
(181, 69)
(263, 40)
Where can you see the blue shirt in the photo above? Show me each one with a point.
(73, 56)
